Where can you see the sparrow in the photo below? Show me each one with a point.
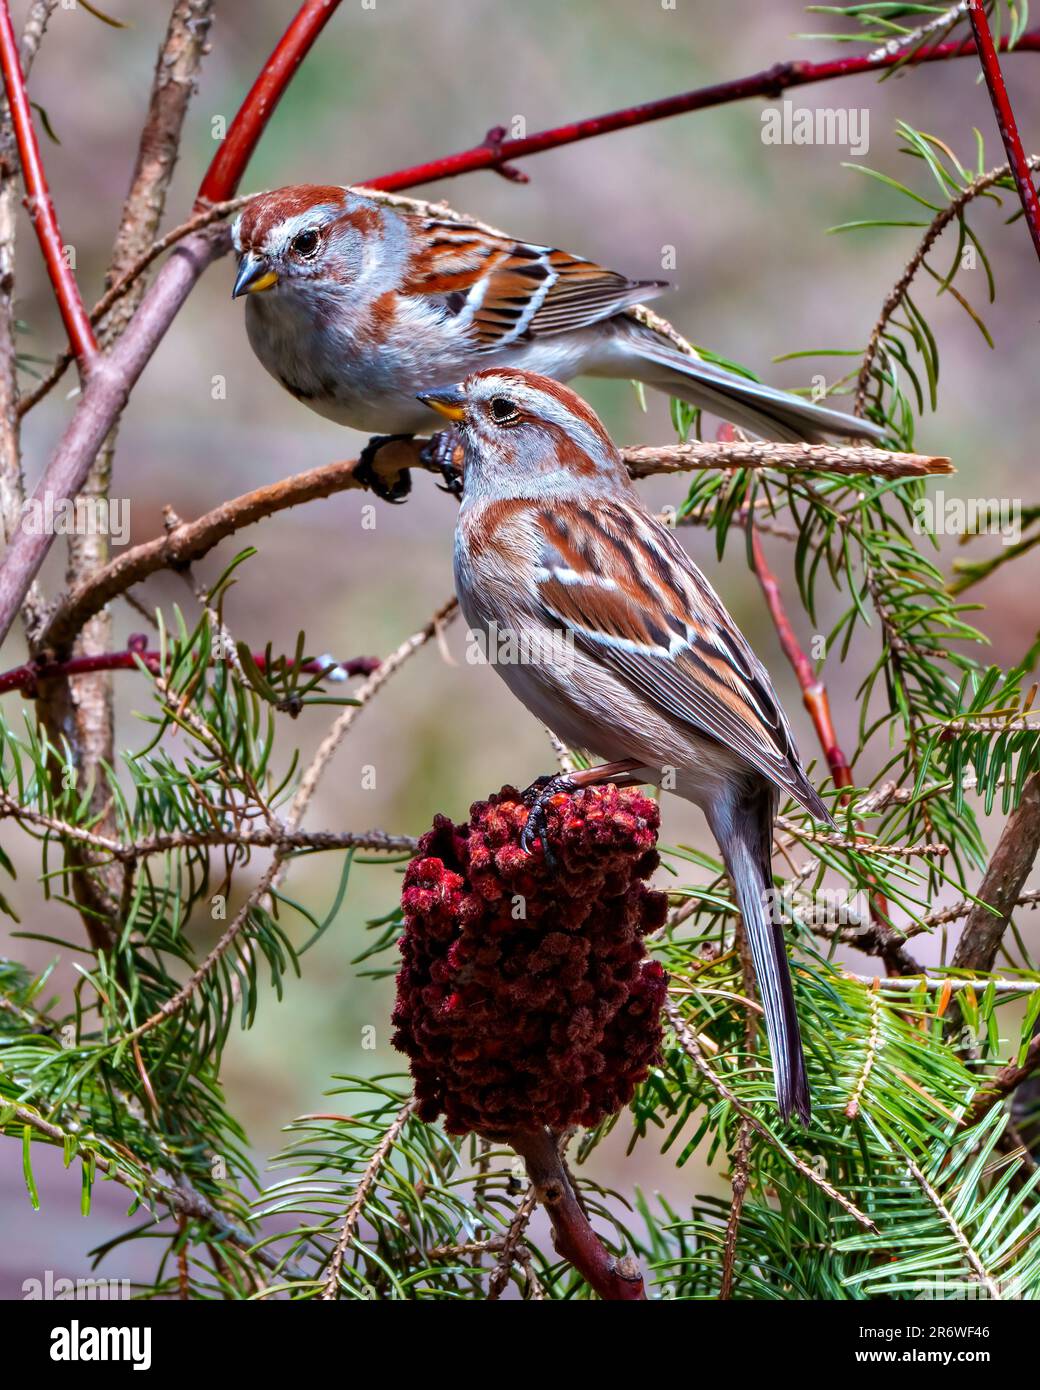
(354, 306)
(628, 652)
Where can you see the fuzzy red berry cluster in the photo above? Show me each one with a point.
(526, 996)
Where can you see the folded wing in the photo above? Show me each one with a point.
(632, 598)
(505, 290)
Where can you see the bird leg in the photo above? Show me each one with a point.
(395, 490)
(438, 455)
(626, 772)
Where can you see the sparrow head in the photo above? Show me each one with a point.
(306, 240)
(525, 434)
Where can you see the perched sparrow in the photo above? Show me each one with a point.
(626, 650)
(355, 306)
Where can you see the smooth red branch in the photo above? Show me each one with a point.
(814, 692)
(222, 177)
(817, 702)
(25, 679)
(39, 204)
(1006, 123)
(497, 154)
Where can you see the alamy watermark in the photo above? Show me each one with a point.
(504, 646)
(53, 1286)
(827, 907)
(940, 515)
(847, 126)
(77, 516)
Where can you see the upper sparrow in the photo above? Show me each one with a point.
(624, 648)
(354, 306)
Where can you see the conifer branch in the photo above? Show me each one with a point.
(897, 294)
(691, 1046)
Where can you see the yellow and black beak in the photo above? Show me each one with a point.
(253, 276)
(449, 402)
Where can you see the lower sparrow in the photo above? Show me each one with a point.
(354, 306)
(625, 650)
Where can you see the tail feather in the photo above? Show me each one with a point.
(761, 409)
(744, 831)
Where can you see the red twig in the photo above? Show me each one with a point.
(223, 175)
(39, 204)
(496, 154)
(106, 393)
(617, 1281)
(814, 692)
(1005, 118)
(25, 678)
(817, 702)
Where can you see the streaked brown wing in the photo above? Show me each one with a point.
(626, 589)
(508, 289)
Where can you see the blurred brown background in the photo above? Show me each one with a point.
(389, 85)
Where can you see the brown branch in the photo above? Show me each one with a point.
(947, 984)
(1002, 883)
(195, 839)
(39, 203)
(861, 844)
(741, 1176)
(1006, 123)
(510, 1251)
(189, 541)
(369, 1178)
(847, 460)
(1004, 1082)
(616, 1281)
(100, 405)
(740, 1180)
(83, 715)
(494, 153)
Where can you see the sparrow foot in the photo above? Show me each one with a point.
(392, 490)
(439, 455)
(537, 797)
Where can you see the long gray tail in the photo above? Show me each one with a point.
(760, 409)
(743, 829)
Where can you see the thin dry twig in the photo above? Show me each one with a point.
(369, 1178)
(895, 296)
(181, 1199)
(128, 850)
(691, 1046)
(272, 875)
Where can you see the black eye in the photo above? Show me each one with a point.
(503, 409)
(304, 243)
